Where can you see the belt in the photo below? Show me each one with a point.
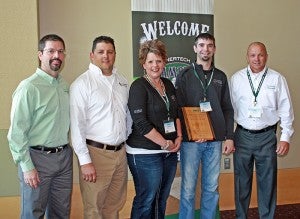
(50, 150)
(104, 146)
(272, 127)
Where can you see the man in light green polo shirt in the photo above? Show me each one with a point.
(38, 135)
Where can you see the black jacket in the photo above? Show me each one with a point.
(189, 92)
(148, 111)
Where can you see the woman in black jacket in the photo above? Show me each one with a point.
(156, 134)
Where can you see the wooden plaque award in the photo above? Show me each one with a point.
(197, 124)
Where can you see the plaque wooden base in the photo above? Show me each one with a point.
(197, 124)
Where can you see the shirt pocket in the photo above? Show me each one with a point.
(268, 97)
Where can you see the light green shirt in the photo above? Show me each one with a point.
(39, 116)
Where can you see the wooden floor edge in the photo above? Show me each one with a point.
(288, 189)
(288, 193)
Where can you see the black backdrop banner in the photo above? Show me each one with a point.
(176, 30)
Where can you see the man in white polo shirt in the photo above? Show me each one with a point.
(98, 105)
(261, 99)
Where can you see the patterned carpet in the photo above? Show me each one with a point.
(291, 211)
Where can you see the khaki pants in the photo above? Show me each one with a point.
(106, 197)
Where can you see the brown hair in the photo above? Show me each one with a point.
(154, 46)
(206, 36)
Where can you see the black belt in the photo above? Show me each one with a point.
(50, 150)
(104, 146)
(272, 127)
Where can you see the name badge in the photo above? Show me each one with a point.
(169, 126)
(205, 106)
(254, 111)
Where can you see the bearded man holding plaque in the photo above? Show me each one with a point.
(205, 88)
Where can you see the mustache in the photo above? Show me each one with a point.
(55, 59)
(55, 67)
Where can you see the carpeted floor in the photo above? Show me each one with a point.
(291, 211)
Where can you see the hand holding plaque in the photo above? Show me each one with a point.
(197, 124)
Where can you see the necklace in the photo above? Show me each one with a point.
(162, 93)
(161, 90)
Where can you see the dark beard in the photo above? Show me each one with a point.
(206, 58)
(55, 67)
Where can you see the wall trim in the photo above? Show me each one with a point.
(288, 189)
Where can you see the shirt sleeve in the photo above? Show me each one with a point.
(78, 109)
(179, 91)
(227, 110)
(137, 104)
(21, 114)
(232, 93)
(285, 111)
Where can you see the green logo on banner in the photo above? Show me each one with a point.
(173, 68)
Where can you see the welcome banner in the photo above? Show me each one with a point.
(176, 23)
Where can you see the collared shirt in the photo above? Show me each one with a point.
(98, 110)
(39, 116)
(273, 97)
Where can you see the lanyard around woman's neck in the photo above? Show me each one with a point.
(255, 93)
(163, 96)
(205, 87)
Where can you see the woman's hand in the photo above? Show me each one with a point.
(177, 144)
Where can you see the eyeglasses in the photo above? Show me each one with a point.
(53, 51)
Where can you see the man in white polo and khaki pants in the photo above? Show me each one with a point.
(98, 131)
